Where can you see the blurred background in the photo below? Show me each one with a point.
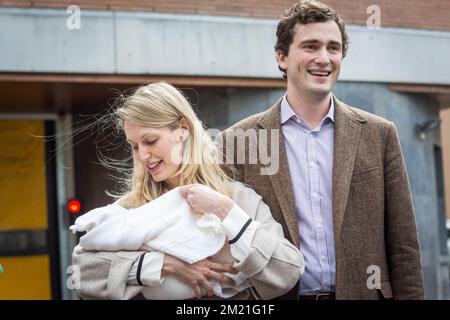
(63, 61)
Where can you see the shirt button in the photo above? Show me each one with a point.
(312, 164)
(323, 258)
(319, 226)
(315, 195)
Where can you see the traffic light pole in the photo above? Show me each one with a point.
(65, 173)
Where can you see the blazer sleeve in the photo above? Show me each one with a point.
(401, 231)
(104, 275)
(272, 264)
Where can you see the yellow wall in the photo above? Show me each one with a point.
(25, 278)
(23, 206)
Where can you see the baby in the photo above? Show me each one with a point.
(166, 224)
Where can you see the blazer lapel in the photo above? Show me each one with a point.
(347, 129)
(281, 181)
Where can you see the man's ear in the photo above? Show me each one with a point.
(281, 58)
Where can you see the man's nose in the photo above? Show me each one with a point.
(322, 56)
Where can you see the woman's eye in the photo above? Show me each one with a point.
(149, 142)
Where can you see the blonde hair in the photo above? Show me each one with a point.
(158, 105)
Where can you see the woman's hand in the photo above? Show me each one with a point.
(197, 274)
(205, 200)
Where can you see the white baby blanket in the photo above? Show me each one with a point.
(166, 224)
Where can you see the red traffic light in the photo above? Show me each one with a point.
(74, 206)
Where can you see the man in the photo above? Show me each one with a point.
(341, 192)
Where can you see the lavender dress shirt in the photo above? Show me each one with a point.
(310, 157)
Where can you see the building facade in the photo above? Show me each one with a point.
(60, 63)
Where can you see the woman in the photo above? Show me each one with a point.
(171, 149)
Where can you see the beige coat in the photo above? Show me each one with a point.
(373, 216)
(273, 265)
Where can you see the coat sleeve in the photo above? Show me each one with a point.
(401, 231)
(271, 263)
(104, 275)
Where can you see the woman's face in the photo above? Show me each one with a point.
(158, 149)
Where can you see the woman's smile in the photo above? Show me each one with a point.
(153, 167)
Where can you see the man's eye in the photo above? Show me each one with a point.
(134, 147)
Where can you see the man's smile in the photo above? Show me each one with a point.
(319, 73)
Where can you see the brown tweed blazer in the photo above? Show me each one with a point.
(373, 215)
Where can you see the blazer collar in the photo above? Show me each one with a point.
(343, 111)
(271, 118)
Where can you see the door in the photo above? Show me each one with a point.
(28, 236)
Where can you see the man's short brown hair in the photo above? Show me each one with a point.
(304, 12)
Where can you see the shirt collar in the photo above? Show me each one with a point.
(287, 113)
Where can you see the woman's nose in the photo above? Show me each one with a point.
(144, 154)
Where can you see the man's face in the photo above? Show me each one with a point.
(314, 59)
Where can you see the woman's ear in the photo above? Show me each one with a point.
(184, 124)
(184, 129)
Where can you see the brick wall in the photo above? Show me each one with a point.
(421, 14)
